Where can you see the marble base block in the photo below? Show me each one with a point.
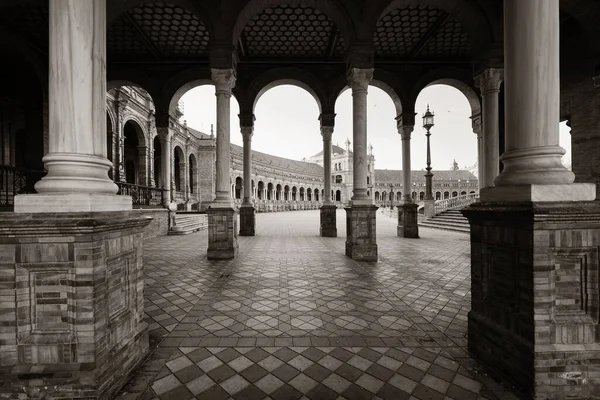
(72, 303)
(539, 193)
(71, 202)
(328, 221)
(408, 226)
(535, 296)
(361, 240)
(247, 220)
(222, 233)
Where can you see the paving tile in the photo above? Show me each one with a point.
(254, 373)
(285, 354)
(257, 354)
(348, 372)
(389, 392)
(214, 393)
(200, 384)
(234, 384)
(380, 372)
(355, 392)
(240, 363)
(286, 392)
(210, 363)
(422, 392)
(188, 373)
(165, 384)
(251, 392)
(403, 383)
(269, 383)
(179, 393)
(322, 392)
(285, 372)
(303, 383)
(317, 372)
(336, 383)
(221, 373)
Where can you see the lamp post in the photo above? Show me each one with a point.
(391, 198)
(428, 124)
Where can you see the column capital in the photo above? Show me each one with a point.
(405, 123)
(326, 132)
(247, 132)
(359, 79)
(224, 79)
(164, 134)
(489, 80)
(246, 120)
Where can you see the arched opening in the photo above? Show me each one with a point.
(261, 189)
(110, 143)
(309, 194)
(178, 169)
(377, 198)
(421, 196)
(269, 191)
(132, 132)
(338, 196)
(446, 195)
(398, 196)
(278, 192)
(302, 194)
(158, 180)
(438, 195)
(286, 193)
(463, 193)
(294, 193)
(239, 184)
(193, 173)
(472, 192)
(338, 179)
(454, 194)
(316, 194)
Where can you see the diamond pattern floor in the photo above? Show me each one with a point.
(291, 317)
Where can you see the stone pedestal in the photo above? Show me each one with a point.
(72, 303)
(429, 209)
(408, 220)
(328, 221)
(247, 220)
(535, 295)
(361, 240)
(222, 233)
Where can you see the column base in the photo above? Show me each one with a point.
(429, 209)
(247, 220)
(222, 233)
(71, 202)
(73, 289)
(539, 193)
(535, 290)
(328, 221)
(408, 220)
(361, 243)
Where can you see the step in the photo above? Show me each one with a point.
(445, 223)
(189, 223)
(452, 228)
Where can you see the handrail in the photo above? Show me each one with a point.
(142, 195)
(455, 202)
(14, 181)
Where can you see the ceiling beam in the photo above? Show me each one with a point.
(435, 28)
(155, 52)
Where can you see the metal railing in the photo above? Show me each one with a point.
(142, 195)
(14, 181)
(455, 202)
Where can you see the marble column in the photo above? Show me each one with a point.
(408, 226)
(247, 211)
(360, 217)
(165, 136)
(534, 235)
(77, 178)
(328, 226)
(222, 221)
(476, 125)
(489, 83)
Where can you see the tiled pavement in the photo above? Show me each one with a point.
(292, 317)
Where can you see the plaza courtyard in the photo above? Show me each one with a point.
(292, 316)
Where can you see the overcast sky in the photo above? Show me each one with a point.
(287, 125)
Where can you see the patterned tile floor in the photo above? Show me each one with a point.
(291, 317)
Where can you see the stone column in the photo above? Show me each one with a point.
(408, 226)
(247, 212)
(222, 221)
(143, 165)
(476, 125)
(489, 83)
(534, 235)
(328, 209)
(77, 178)
(361, 242)
(165, 135)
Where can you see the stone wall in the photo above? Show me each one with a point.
(72, 306)
(206, 176)
(535, 296)
(159, 226)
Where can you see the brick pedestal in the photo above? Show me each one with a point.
(222, 233)
(408, 220)
(247, 220)
(535, 296)
(328, 221)
(361, 243)
(72, 306)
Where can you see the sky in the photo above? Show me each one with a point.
(287, 125)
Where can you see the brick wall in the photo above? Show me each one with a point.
(206, 175)
(159, 226)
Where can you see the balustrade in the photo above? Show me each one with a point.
(455, 202)
(14, 181)
(142, 195)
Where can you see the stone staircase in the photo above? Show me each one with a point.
(186, 223)
(450, 220)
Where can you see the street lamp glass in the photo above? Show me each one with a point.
(428, 119)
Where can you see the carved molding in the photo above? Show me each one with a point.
(489, 80)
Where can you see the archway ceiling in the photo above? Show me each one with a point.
(420, 32)
(157, 31)
(30, 20)
(291, 31)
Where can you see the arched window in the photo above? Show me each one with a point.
(421, 195)
(368, 180)
(338, 179)
(446, 195)
(454, 194)
(338, 195)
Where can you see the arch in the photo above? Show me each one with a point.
(110, 142)
(338, 179)
(446, 195)
(260, 189)
(376, 196)
(255, 7)
(338, 196)
(399, 196)
(278, 192)
(309, 194)
(283, 76)
(133, 137)
(286, 193)
(438, 195)
(270, 191)
(316, 192)
(294, 193)
(463, 193)
(454, 194)
(178, 163)
(469, 16)
(183, 89)
(301, 191)
(239, 185)
(421, 196)
(341, 85)
(142, 132)
(472, 192)
(193, 173)
(118, 83)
